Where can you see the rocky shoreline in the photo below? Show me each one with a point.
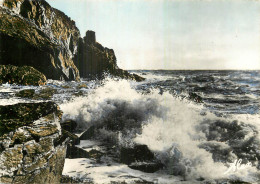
(33, 149)
(35, 142)
(39, 42)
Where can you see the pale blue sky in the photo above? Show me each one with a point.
(173, 34)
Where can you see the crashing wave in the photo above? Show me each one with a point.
(188, 142)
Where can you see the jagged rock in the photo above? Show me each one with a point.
(69, 125)
(76, 152)
(35, 34)
(149, 167)
(30, 150)
(93, 59)
(26, 93)
(74, 139)
(45, 93)
(24, 114)
(24, 75)
(194, 97)
(140, 158)
(137, 153)
(88, 134)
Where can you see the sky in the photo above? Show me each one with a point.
(172, 34)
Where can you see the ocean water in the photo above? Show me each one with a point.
(203, 126)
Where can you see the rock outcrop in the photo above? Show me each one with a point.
(93, 59)
(32, 149)
(35, 34)
(25, 75)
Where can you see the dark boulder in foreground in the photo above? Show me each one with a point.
(30, 146)
(137, 153)
(140, 158)
(25, 75)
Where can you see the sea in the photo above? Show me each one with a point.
(203, 126)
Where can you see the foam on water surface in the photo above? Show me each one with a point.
(87, 170)
(172, 128)
(181, 133)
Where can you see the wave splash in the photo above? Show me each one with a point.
(188, 141)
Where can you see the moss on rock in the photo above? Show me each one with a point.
(25, 75)
(29, 151)
(24, 114)
(26, 93)
(45, 93)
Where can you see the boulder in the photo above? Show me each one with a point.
(194, 97)
(148, 167)
(74, 139)
(76, 152)
(69, 125)
(24, 75)
(140, 158)
(24, 114)
(26, 93)
(45, 93)
(137, 153)
(30, 150)
(88, 134)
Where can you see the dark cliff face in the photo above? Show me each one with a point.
(93, 59)
(33, 33)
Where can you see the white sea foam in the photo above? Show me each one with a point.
(101, 173)
(172, 128)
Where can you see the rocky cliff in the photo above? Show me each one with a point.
(92, 59)
(35, 34)
(32, 149)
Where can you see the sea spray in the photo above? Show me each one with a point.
(185, 140)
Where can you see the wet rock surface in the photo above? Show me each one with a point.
(30, 148)
(137, 153)
(69, 125)
(24, 114)
(24, 75)
(148, 167)
(140, 158)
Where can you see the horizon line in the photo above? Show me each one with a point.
(201, 69)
